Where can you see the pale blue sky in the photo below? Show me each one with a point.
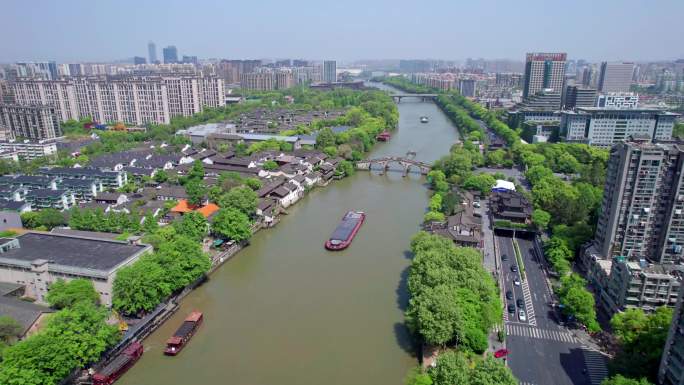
(94, 30)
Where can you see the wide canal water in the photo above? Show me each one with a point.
(285, 311)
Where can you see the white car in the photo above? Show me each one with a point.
(522, 316)
(516, 282)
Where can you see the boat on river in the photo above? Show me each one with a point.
(423, 119)
(181, 337)
(383, 136)
(119, 365)
(345, 232)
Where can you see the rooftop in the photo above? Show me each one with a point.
(71, 251)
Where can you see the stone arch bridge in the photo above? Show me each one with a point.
(406, 162)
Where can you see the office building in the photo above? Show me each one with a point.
(544, 100)
(137, 60)
(329, 71)
(35, 122)
(129, 99)
(578, 96)
(671, 371)
(152, 52)
(544, 71)
(170, 54)
(37, 260)
(615, 77)
(604, 127)
(618, 100)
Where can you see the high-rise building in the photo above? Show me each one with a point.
(129, 99)
(642, 210)
(412, 66)
(544, 71)
(190, 59)
(329, 71)
(263, 81)
(170, 54)
(76, 69)
(671, 370)
(615, 77)
(577, 96)
(231, 70)
(152, 52)
(139, 60)
(466, 87)
(30, 122)
(604, 127)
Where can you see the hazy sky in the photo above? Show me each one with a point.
(98, 30)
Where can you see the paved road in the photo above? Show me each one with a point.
(541, 351)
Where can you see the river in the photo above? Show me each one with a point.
(285, 311)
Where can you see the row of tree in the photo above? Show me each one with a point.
(459, 368)
(453, 300)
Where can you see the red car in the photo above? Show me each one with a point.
(500, 353)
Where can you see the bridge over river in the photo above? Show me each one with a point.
(424, 97)
(407, 163)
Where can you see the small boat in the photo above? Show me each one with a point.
(345, 232)
(119, 365)
(181, 337)
(423, 119)
(383, 136)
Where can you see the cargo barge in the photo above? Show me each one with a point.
(345, 232)
(181, 337)
(119, 365)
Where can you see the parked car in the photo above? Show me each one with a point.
(520, 302)
(514, 268)
(516, 282)
(509, 294)
(504, 257)
(511, 308)
(522, 316)
(501, 353)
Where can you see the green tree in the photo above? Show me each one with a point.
(325, 138)
(434, 216)
(496, 158)
(230, 223)
(253, 183)
(140, 287)
(65, 294)
(196, 171)
(479, 182)
(193, 225)
(541, 219)
(243, 199)
(452, 368)
(435, 202)
(196, 190)
(620, 380)
(489, 371)
(9, 329)
(270, 165)
(182, 260)
(150, 224)
(577, 301)
(161, 176)
(416, 376)
(346, 168)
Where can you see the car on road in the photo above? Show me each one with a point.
(520, 302)
(522, 316)
(514, 268)
(509, 294)
(501, 353)
(516, 282)
(477, 204)
(511, 308)
(504, 257)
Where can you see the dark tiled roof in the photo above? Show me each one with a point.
(12, 205)
(25, 313)
(45, 193)
(72, 251)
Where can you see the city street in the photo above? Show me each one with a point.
(541, 351)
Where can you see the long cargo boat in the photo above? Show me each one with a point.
(119, 365)
(345, 232)
(181, 337)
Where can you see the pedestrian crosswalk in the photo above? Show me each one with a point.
(546, 334)
(529, 308)
(525, 383)
(595, 363)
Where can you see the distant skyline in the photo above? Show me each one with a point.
(79, 30)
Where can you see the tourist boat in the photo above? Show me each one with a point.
(119, 365)
(383, 136)
(423, 119)
(183, 334)
(345, 232)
